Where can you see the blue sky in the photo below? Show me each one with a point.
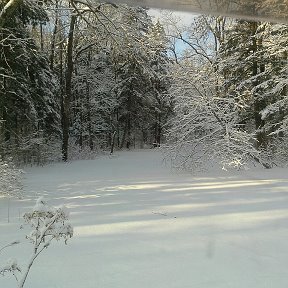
(185, 18)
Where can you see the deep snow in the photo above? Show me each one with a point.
(137, 224)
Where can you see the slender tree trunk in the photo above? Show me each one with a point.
(124, 136)
(41, 37)
(129, 124)
(68, 89)
(158, 129)
(88, 118)
(53, 40)
(118, 128)
(62, 83)
(113, 142)
(77, 113)
(258, 103)
(80, 138)
(90, 132)
(128, 142)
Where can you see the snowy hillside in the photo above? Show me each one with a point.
(139, 224)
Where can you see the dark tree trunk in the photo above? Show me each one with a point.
(258, 67)
(68, 89)
(53, 41)
(118, 128)
(123, 136)
(129, 124)
(128, 142)
(158, 130)
(113, 142)
(88, 107)
(41, 37)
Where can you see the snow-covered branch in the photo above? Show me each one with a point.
(205, 128)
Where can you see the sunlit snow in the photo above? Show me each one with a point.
(137, 223)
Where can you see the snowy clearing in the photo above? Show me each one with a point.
(139, 224)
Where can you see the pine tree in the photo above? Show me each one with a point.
(141, 73)
(28, 88)
(253, 60)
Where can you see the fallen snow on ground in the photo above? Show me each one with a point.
(137, 224)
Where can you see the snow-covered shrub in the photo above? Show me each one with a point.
(276, 152)
(37, 150)
(48, 224)
(76, 152)
(10, 179)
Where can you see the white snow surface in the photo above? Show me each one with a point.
(139, 224)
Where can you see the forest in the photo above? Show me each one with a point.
(149, 105)
(81, 77)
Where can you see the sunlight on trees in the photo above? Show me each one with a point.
(81, 77)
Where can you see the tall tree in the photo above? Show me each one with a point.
(254, 66)
(28, 87)
(67, 96)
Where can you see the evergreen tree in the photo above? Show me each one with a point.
(141, 73)
(253, 61)
(94, 101)
(28, 88)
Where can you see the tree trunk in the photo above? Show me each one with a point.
(113, 142)
(88, 106)
(118, 128)
(158, 131)
(41, 38)
(124, 136)
(68, 89)
(258, 104)
(128, 142)
(53, 40)
(129, 126)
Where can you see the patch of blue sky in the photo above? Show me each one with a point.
(184, 19)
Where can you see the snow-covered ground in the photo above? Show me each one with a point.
(137, 224)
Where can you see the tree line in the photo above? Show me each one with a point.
(79, 77)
